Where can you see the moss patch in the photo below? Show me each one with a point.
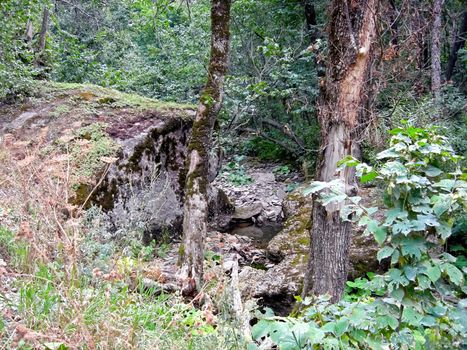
(100, 95)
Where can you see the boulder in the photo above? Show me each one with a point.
(127, 152)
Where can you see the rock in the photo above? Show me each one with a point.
(21, 120)
(289, 249)
(146, 184)
(247, 211)
(259, 202)
(137, 171)
(263, 177)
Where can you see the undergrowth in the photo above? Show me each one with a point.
(61, 287)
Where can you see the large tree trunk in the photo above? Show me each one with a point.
(43, 33)
(196, 188)
(342, 107)
(456, 45)
(436, 49)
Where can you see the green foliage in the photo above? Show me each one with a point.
(357, 289)
(425, 190)
(16, 249)
(264, 149)
(282, 170)
(235, 172)
(79, 298)
(16, 54)
(153, 48)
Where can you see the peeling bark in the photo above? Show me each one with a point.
(197, 183)
(341, 113)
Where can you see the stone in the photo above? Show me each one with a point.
(140, 185)
(247, 211)
(289, 250)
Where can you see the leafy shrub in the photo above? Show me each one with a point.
(264, 149)
(423, 305)
(235, 172)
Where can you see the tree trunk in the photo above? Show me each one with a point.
(456, 46)
(29, 32)
(196, 188)
(436, 50)
(394, 24)
(418, 31)
(341, 112)
(310, 17)
(43, 32)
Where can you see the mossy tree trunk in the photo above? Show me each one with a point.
(342, 111)
(196, 188)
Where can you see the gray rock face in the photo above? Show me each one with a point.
(144, 188)
(262, 198)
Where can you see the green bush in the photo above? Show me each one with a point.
(423, 305)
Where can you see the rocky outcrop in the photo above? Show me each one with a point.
(145, 185)
(127, 152)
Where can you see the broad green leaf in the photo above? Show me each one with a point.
(411, 316)
(279, 330)
(432, 171)
(333, 198)
(455, 275)
(393, 168)
(367, 177)
(384, 253)
(423, 282)
(395, 213)
(448, 257)
(444, 230)
(395, 257)
(341, 327)
(379, 232)
(433, 273)
(261, 329)
(252, 346)
(428, 321)
(348, 161)
(410, 272)
(398, 294)
(413, 247)
(315, 186)
(438, 310)
(442, 205)
(297, 338)
(446, 184)
(389, 153)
